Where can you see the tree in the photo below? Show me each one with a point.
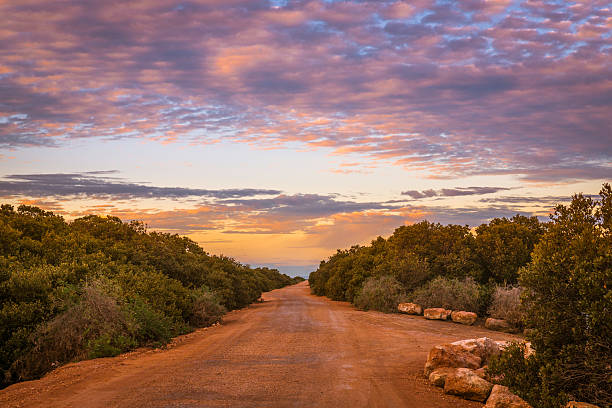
(504, 245)
(568, 300)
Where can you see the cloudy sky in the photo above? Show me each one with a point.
(276, 131)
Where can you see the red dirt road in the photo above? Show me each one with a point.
(293, 350)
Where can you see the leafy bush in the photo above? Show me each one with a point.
(206, 308)
(568, 303)
(506, 304)
(93, 325)
(152, 326)
(417, 253)
(383, 294)
(505, 245)
(527, 377)
(454, 294)
(55, 275)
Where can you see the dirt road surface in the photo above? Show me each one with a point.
(293, 350)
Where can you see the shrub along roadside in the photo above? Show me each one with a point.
(564, 269)
(568, 303)
(382, 294)
(506, 305)
(97, 286)
(453, 294)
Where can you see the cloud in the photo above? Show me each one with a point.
(101, 184)
(307, 205)
(453, 192)
(453, 89)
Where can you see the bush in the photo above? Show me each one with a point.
(383, 294)
(207, 309)
(568, 305)
(143, 282)
(410, 270)
(527, 377)
(94, 325)
(152, 327)
(454, 294)
(506, 304)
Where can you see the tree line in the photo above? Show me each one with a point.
(97, 287)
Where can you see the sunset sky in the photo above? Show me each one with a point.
(277, 131)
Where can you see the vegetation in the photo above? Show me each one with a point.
(568, 302)
(454, 294)
(554, 278)
(383, 293)
(440, 265)
(506, 304)
(97, 287)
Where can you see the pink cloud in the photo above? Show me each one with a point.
(382, 79)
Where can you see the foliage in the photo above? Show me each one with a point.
(506, 304)
(416, 254)
(568, 302)
(91, 325)
(527, 377)
(98, 286)
(382, 294)
(206, 308)
(453, 293)
(504, 245)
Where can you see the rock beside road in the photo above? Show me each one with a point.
(499, 325)
(502, 397)
(438, 376)
(459, 367)
(410, 308)
(451, 356)
(483, 347)
(464, 383)
(464, 317)
(436, 313)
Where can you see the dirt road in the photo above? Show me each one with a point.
(293, 350)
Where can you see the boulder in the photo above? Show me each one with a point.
(410, 308)
(438, 376)
(499, 325)
(481, 372)
(502, 397)
(575, 404)
(483, 347)
(463, 317)
(450, 355)
(464, 383)
(436, 313)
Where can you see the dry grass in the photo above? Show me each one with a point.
(506, 304)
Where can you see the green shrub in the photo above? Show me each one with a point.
(454, 294)
(383, 294)
(206, 308)
(70, 334)
(530, 378)
(568, 304)
(145, 281)
(108, 346)
(152, 327)
(506, 304)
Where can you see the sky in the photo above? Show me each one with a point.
(278, 131)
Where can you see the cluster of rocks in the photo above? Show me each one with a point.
(457, 316)
(459, 368)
